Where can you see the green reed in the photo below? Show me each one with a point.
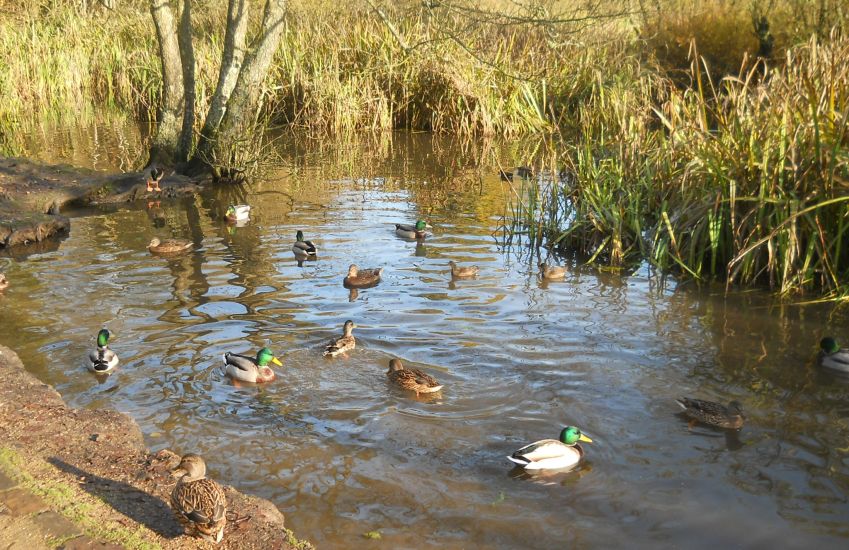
(743, 179)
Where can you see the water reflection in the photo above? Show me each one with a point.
(342, 453)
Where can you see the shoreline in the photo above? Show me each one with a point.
(91, 469)
(33, 194)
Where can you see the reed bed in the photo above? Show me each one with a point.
(746, 179)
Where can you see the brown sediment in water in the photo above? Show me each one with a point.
(32, 195)
(92, 467)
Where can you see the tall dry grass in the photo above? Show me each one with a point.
(737, 170)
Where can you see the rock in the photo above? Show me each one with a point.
(20, 502)
(56, 526)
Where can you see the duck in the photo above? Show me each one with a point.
(303, 249)
(411, 379)
(551, 272)
(458, 272)
(411, 231)
(198, 502)
(168, 246)
(552, 454)
(345, 343)
(4, 282)
(156, 175)
(248, 369)
(521, 172)
(237, 213)
(103, 360)
(713, 414)
(832, 356)
(362, 277)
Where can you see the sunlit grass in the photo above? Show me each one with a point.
(679, 147)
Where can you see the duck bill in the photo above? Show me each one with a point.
(276, 361)
(585, 439)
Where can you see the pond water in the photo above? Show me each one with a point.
(341, 453)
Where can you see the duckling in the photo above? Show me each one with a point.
(411, 231)
(463, 272)
(344, 344)
(156, 175)
(832, 356)
(713, 414)
(302, 249)
(551, 272)
(237, 213)
(4, 282)
(362, 277)
(411, 379)
(248, 369)
(551, 454)
(198, 502)
(102, 360)
(168, 246)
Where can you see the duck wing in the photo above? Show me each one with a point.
(339, 346)
(701, 407)
(103, 359)
(306, 246)
(241, 362)
(838, 360)
(423, 378)
(200, 502)
(539, 450)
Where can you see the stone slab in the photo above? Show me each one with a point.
(21, 502)
(56, 525)
(6, 482)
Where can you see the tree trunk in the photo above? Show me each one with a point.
(166, 140)
(245, 94)
(187, 56)
(231, 65)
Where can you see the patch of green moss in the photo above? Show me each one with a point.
(296, 543)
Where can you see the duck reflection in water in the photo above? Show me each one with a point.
(551, 477)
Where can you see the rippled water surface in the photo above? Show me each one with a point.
(341, 453)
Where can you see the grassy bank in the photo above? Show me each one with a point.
(705, 136)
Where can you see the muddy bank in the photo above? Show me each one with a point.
(92, 467)
(32, 195)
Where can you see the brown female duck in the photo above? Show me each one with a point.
(411, 379)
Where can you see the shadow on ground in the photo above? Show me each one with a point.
(137, 505)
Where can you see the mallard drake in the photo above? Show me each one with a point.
(362, 277)
(168, 246)
(4, 282)
(153, 179)
(198, 502)
(713, 414)
(411, 379)
(248, 369)
(551, 454)
(344, 344)
(237, 212)
(551, 272)
(411, 231)
(303, 249)
(832, 356)
(102, 360)
(463, 272)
